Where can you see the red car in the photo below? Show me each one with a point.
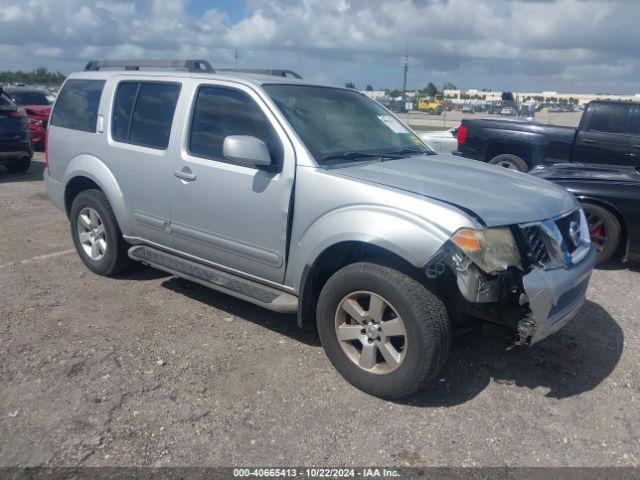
(37, 103)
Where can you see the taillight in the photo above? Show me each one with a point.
(462, 134)
(46, 149)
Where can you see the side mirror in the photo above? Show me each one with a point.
(246, 149)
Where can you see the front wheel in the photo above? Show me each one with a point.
(384, 331)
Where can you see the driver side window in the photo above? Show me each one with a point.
(220, 112)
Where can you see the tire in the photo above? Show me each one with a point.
(422, 350)
(605, 231)
(431, 111)
(110, 260)
(19, 165)
(508, 160)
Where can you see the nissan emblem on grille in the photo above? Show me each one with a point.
(574, 233)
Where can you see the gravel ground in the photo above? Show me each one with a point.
(151, 370)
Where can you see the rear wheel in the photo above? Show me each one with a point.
(383, 331)
(96, 234)
(605, 231)
(19, 165)
(510, 161)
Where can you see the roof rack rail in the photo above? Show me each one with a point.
(274, 72)
(189, 65)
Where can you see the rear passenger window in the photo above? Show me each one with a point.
(609, 118)
(77, 105)
(143, 113)
(122, 107)
(220, 112)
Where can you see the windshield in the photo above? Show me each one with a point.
(33, 98)
(343, 125)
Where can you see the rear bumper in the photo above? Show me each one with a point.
(555, 296)
(55, 190)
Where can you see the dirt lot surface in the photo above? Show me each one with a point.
(150, 370)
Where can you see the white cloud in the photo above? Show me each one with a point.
(502, 44)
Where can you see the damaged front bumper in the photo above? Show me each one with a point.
(554, 297)
(535, 304)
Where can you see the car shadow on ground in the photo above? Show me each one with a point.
(616, 265)
(34, 174)
(279, 323)
(573, 361)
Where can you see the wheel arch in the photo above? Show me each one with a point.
(525, 152)
(624, 236)
(88, 172)
(332, 259)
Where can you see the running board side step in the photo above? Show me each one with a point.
(233, 285)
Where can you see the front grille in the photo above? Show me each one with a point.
(538, 252)
(556, 242)
(564, 225)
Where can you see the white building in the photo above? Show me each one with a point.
(546, 96)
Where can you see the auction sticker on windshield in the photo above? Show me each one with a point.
(392, 123)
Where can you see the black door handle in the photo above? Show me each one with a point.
(589, 141)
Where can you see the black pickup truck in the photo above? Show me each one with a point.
(609, 133)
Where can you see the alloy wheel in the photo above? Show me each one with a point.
(370, 332)
(597, 230)
(92, 234)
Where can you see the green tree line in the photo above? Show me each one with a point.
(37, 76)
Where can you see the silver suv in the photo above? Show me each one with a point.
(312, 200)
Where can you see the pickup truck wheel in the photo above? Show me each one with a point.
(19, 165)
(512, 162)
(383, 331)
(96, 234)
(604, 229)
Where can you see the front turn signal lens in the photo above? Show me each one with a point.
(468, 239)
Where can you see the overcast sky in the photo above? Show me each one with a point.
(563, 45)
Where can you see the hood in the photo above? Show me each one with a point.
(595, 173)
(43, 110)
(498, 196)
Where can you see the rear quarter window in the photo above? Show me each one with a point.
(77, 105)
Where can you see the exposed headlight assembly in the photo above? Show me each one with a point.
(491, 249)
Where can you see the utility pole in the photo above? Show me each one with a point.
(235, 57)
(406, 69)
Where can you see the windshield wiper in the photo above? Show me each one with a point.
(351, 155)
(403, 152)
